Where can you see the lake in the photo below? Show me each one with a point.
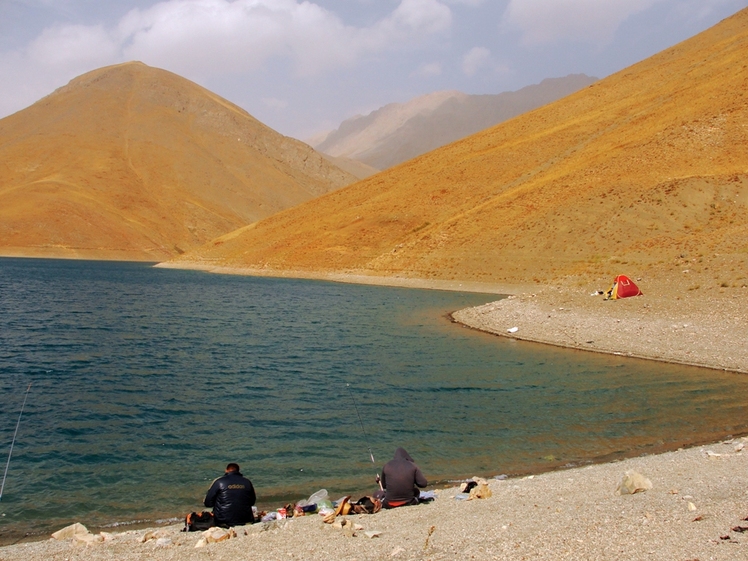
(146, 382)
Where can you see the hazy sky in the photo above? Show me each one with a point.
(302, 67)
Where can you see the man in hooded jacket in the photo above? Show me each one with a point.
(400, 479)
(231, 497)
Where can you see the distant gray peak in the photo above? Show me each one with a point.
(397, 132)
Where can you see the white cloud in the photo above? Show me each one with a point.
(591, 21)
(428, 70)
(466, 2)
(474, 60)
(204, 38)
(243, 35)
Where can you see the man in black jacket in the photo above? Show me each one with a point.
(231, 497)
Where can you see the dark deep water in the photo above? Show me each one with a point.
(146, 382)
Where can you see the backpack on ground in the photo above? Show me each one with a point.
(367, 505)
(197, 522)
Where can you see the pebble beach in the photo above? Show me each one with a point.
(696, 508)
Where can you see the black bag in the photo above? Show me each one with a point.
(367, 505)
(197, 522)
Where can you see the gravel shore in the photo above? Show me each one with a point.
(697, 328)
(696, 509)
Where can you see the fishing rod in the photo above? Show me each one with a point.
(18, 424)
(363, 430)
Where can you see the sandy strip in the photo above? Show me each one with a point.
(352, 278)
(695, 509)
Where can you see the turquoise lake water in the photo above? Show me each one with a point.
(146, 382)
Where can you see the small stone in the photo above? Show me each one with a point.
(215, 535)
(397, 551)
(163, 542)
(691, 506)
(358, 527)
(149, 535)
(633, 482)
(202, 542)
(372, 534)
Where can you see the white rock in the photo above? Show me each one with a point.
(87, 539)
(633, 482)
(691, 506)
(373, 534)
(202, 542)
(70, 531)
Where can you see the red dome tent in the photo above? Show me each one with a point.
(623, 287)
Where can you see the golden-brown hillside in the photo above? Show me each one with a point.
(645, 171)
(133, 162)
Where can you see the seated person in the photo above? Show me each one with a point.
(231, 497)
(400, 480)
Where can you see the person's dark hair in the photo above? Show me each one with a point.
(232, 467)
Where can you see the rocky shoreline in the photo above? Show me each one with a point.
(696, 508)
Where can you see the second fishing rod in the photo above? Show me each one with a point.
(363, 430)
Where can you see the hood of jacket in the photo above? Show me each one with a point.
(402, 454)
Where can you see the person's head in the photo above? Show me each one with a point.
(232, 467)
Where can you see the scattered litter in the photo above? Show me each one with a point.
(501, 477)
(426, 496)
(512, 330)
(428, 536)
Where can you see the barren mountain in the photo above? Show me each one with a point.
(644, 172)
(400, 131)
(133, 162)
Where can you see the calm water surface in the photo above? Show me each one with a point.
(146, 382)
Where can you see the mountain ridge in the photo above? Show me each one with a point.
(643, 170)
(134, 162)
